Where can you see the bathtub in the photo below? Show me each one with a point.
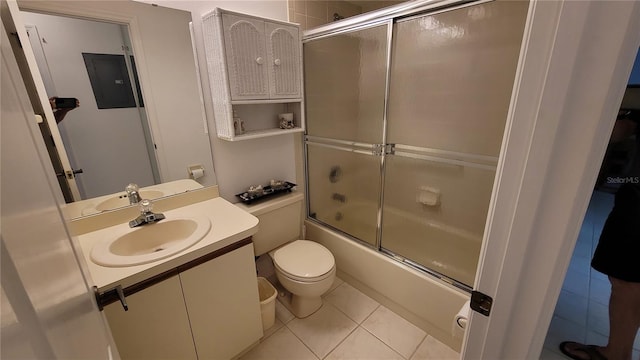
(442, 248)
(425, 300)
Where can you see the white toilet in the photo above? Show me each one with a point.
(305, 268)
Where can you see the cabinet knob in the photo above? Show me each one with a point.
(276, 62)
(259, 60)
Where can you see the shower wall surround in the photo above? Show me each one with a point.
(412, 112)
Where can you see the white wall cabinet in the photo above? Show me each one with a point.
(255, 67)
(209, 311)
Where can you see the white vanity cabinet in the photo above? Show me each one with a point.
(223, 302)
(205, 309)
(255, 73)
(156, 325)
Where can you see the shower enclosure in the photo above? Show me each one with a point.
(405, 117)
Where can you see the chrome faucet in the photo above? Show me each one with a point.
(146, 215)
(133, 193)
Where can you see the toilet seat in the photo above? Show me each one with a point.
(304, 279)
(304, 261)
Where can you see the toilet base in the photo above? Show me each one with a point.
(302, 306)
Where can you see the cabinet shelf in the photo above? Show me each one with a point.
(273, 101)
(264, 133)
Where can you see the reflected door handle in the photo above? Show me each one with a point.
(70, 174)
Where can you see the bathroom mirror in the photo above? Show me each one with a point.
(155, 132)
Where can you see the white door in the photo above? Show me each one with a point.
(15, 25)
(569, 85)
(47, 307)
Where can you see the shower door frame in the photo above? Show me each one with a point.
(389, 16)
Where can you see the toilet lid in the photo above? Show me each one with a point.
(304, 259)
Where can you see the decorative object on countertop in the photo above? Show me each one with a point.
(259, 192)
(255, 190)
(286, 121)
(278, 184)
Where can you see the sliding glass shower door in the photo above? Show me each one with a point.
(345, 85)
(450, 86)
(404, 138)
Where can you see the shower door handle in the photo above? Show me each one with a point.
(276, 62)
(259, 60)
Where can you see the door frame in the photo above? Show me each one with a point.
(571, 78)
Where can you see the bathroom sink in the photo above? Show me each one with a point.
(122, 200)
(150, 242)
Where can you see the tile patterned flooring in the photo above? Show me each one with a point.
(349, 325)
(581, 312)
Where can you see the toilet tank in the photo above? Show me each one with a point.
(280, 221)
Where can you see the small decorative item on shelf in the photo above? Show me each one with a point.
(259, 192)
(255, 190)
(238, 124)
(278, 184)
(286, 121)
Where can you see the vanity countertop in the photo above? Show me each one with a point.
(229, 224)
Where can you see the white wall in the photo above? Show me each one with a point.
(251, 162)
(108, 144)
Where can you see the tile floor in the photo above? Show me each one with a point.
(581, 312)
(349, 325)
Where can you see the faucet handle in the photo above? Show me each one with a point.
(146, 215)
(145, 206)
(132, 187)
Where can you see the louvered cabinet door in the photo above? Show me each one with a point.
(245, 48)
(284, 52)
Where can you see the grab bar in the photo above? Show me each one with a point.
(483, 162)
(343, 148)
(445, 160)
(318, 139)
(491, 160)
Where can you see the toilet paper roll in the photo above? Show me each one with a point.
(461, 319)
(197, 173)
